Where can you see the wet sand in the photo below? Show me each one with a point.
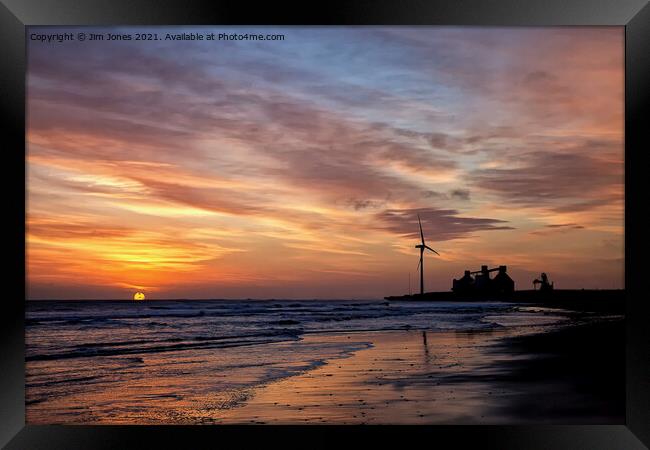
(568, 371)
(571, 375)
(574, 375)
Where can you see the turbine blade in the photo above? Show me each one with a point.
(421, 234)
(418, 267)
(426, 246)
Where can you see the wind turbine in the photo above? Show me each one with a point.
(422, 246)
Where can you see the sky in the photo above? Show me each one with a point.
(297, 168)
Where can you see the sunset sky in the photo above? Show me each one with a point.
(297, 168)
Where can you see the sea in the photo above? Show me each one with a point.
(153, 361)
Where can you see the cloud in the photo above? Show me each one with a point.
(219, 200)
(306, 145)
(565, 225)
(78, 229)
(454, 194)
(364, 204)
(461, 194)
(557, 227)
(438, 224)
(560, 181)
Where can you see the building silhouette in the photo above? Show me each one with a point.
(481, 283)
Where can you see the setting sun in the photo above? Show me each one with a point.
(138, 296)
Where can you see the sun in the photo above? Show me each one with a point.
(138, 296)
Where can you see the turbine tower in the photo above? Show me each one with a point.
(422, 246)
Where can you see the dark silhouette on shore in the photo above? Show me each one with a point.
(478, 286)
(545, 286)
(483, 284)
(422, 246)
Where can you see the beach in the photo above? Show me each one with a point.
(455, 378)
(333, 362)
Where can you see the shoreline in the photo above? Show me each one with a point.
(403, 375)
(578, 300)
(469, 377)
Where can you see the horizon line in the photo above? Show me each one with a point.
(268, 298)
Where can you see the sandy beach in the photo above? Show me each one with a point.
(451, 378)
(329, 362)
(400, 379)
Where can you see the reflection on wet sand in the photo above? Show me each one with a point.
(401, 379)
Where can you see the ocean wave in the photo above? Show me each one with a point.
(167, 345)
(105, 328)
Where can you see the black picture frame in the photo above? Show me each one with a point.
(634, 15)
